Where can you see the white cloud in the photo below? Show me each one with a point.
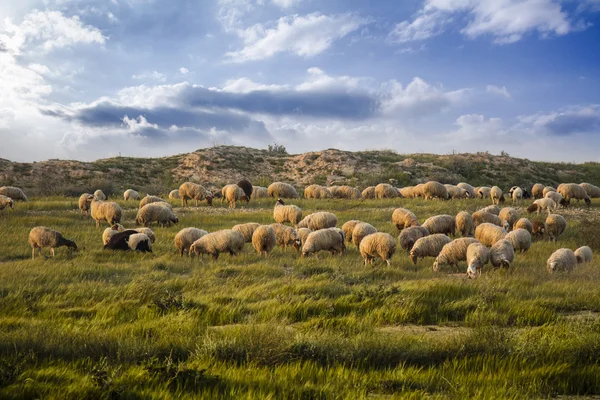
(184, 70)
(474, 126)
(135, 125)
(424, 26)
(501, 91)
(245, 85)
(154, 75)
(319, 80)
(286, 3)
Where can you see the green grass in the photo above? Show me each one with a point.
(101, 325)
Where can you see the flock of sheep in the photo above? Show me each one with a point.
(492, 234)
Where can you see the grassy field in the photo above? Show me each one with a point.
(124, 325)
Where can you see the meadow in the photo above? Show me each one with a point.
(106, 325)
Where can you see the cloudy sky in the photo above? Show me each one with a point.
(88, 79)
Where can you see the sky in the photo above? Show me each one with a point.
(90, 79)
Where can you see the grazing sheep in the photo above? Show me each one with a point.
(409, 236)
(407, 192)
(246, 229)
(592, 191)
(233, 193)
(452, 253)
(483, 192)
(496, 195)
(493, 209)
(247, 187)
(107, 211)
(508, 216)
(468, 188)
(155, 212)
(282, 190)
(377, 244)
(99, 195)
(523, 223)
(441, 224)
(482, 217)
(153, 199)
(317, 192)
(417, 190)
(547, 189)
(325, 239)
(477, 256)
(174, 194)
(454, 192)
(286, 213)
(584, 255)
(85, 201)
(520, 240)
(502, 254)
(346, 192)
(557, 198)
(110, 232)
(186, 237)
(223, 241)
(361, 230)
(517, 195)
(433, 189)
(6, 202)
(538, 228)
(562, 260)
(148, 232)
(537, 191)
(14, 193)
(140, 242)
(488, 234)
(120, 240)
(555, 226)
(348, 227)
(386, 191)
(286, 236)
(264, 239)
(368, 192)
(318, 220)
(542, 204)
(332, 189)
(259, 192)
(464, 223)
(403, 218)
(40, 237)
(573, 191)
(190, 190)
(428, 246)
(303, 234)
(131, 194)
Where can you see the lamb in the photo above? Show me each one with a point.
(286, 236)
(247, 230)
(547, 189)
(131, 194)
(538, 228)
(496, 195)
(368, 192)
(452, 253)
(573, 191)
(557, 198)
(433, 189)
(488, 234)
(247, 187)
(375, 245)
(14, 193)
(555, 226)
(317, 192)
(517, 195)
(428, 246)
(403, 218)
(483, 192)
(155, 212)
(482, 217)
(318, 220)
(303, 234)
(85, 201)
(6, 202)
(542, 204)
(325, 239)
(477, 256)
(441, 224)
(493, 209)
(148, 232)
(523, 223)
(592, 191)
(110, 232)
(40, 237)
(286, 213)
(282, 190)
(259, 192)
(107, 211)
(99, 195)
(537, 191)
(520, 239)
(120, 240)
(409, 236)
(468, 188)
(347, 192)
(454, 192)
(583, 255)
(174, 194)
(361, 230)
(464, 223)
(386, 191)
(508, 216)
(223, 241)
(233, 193)
(502, 254)
(264, 239)
(562, 260)
(153, 199)
(407, 192)
(186, 237)
(140, 242)
(348, 227)
(190, 190)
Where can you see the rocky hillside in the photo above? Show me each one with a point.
(217, 166)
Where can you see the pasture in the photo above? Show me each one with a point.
(100, 325)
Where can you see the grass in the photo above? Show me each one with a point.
(125, 325)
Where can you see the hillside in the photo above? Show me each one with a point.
(217, 166)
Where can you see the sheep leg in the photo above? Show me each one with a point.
(388, 263)
(52, 251)
(33, 253)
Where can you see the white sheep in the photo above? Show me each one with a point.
(156, 212)
(502, 254)
(455, 192)
(493, 209)
(346, 192)
(433, 189)
(190, 190)
(286, 236)
(452, 253)
(537, 191)
(573, 191)
(482, 217)
(140, 242)
(555, 226)
(468, 188)
(488, 234)
(131, 194)
(223, 241)
(517, 195)
(360, 231)
(403, 218)
(233, 193)
(496, 195)
(508, 216)
(41, 237)
(524, 223)
(6, 202)
(562, 260)
(407, 192)
(464, 223)
(153, 199)
(186, 237)
(325, 239)
(584, 254)
(108, 211)
(318, 220)
(85, 202)
(368, 192)
(441, 224)
(546, 190)
(259, 192)
(286, 213)
(593, 191)
(542, 204)
(477, 256)
(174, 194)
(348, 227)
(14, 193)
(557, 198)
(264, 239)
(520, 239)
(246, 229)
(428, 246)
(317, 192)
(386, 191)
(99, 195)
(409, 236)
(376, 245)
(303, 234)
(148, 232)
(110, 232)
(483, 192)
(282, 190)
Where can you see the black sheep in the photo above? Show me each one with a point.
(246, 187)
(119, 240)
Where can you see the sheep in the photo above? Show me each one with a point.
(186, 237)
(538, 228)
(223, 241)
(482, 217)
(433, 189)
(131, 194)
(403, 218)
(85, 201)
(153, 199)
(573, 191)
(452, 253)
(303, 234)
(14, 193)
(247, 187)
(119, 240)
(318, 220)
(407, 192)
(317, 192)
(110, 232)
(361, 230)
(325, 239)
(286, 213)
(592, 191)
(282, 190)
(107, 211)
(417, 191)
(537, 191)
(493, 209)
(174, 194)
(520, 240)
(347, 192)
(547, 189)
(454, 192)
(428, 246)
(523, 223)
(517, 195)
(483, 192)
(477, 256)
(40, 237)
(368, 192)
(555, 226)
(496, 195)
(502, 254)
(377, 244)
(99, 195)
(584, 255)
(542, 204)
(140, 242)
(441, 224)
(557, 198)
(464, 223)
(233, 193)
(508, 216)
(286, 236)
(386, 191)
(332, 189)
(409, 236)
(190, 190)
(246, 229)
(488, 234)
(264, 239)
(155, 212)
(468, 188)
(348, 227)
(562, 260)
(148, 232)
(6, 202)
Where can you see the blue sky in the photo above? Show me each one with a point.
(88, 79)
